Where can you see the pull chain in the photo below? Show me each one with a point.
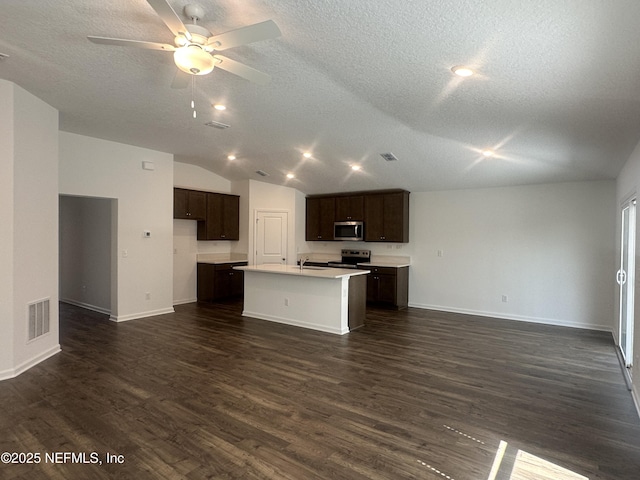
(193, 103)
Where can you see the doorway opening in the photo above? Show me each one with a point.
(87, 252)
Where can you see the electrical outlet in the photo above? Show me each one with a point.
(440, 253)
(286, 302)
(505, 299)
(148, 295)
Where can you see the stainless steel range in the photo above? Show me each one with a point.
(351, 258)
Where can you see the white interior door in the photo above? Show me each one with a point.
(271, 237)
(626, 280)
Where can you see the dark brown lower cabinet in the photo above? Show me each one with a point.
(388, 286)
(219, 281)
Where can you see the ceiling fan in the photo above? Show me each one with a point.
(195, 47)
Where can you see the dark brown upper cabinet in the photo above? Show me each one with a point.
(386, 217)
(218, 214)
(189, 204)
(350, 208)
(385, 214)
(321, 213)
(222, 222)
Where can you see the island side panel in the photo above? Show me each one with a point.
(357, 301)
(304, 301)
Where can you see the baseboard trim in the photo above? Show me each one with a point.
(519, 318)
(135, 316)
(182, 302)
(26, 365)
(295, 323)
(88, 306)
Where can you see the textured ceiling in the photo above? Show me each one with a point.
(557, 94)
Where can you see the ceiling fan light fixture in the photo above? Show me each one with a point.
(181, 41)
(194, 60)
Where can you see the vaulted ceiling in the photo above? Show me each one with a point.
(556, 94)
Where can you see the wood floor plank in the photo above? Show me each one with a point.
(207, 393)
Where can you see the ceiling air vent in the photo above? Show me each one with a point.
(389, 157)
(262, 173)
(215, 124)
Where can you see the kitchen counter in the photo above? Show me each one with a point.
(221, 258)
(385, 263)
(307, 271)
(327, 299)
(392, 261)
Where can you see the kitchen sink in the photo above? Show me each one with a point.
(315, 268)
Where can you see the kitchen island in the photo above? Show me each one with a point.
(327, 299)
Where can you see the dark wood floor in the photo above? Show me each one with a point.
(206, 393)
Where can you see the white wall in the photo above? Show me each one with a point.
(85, 252)
(628, 185)
(548, 248)
(6, 232)
(29, 238)
(144, 266)
(185, 243)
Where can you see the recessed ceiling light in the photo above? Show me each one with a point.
(290, 175)
(462, 71)
(217, 106)
(355, 168)
(306, 154)
(231, 157)
(487, 153)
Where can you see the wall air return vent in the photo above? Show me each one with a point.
(38, 318)
(262, 173)
(215, 124)
(389, 157)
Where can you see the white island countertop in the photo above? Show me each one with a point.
(315, 272)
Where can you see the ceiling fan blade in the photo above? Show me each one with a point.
(132, 43)
(241, 70)
(244, 35)
(170, 18)
(181, 79)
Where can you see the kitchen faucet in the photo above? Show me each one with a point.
(302, 262)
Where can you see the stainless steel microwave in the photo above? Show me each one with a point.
(352, 231)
